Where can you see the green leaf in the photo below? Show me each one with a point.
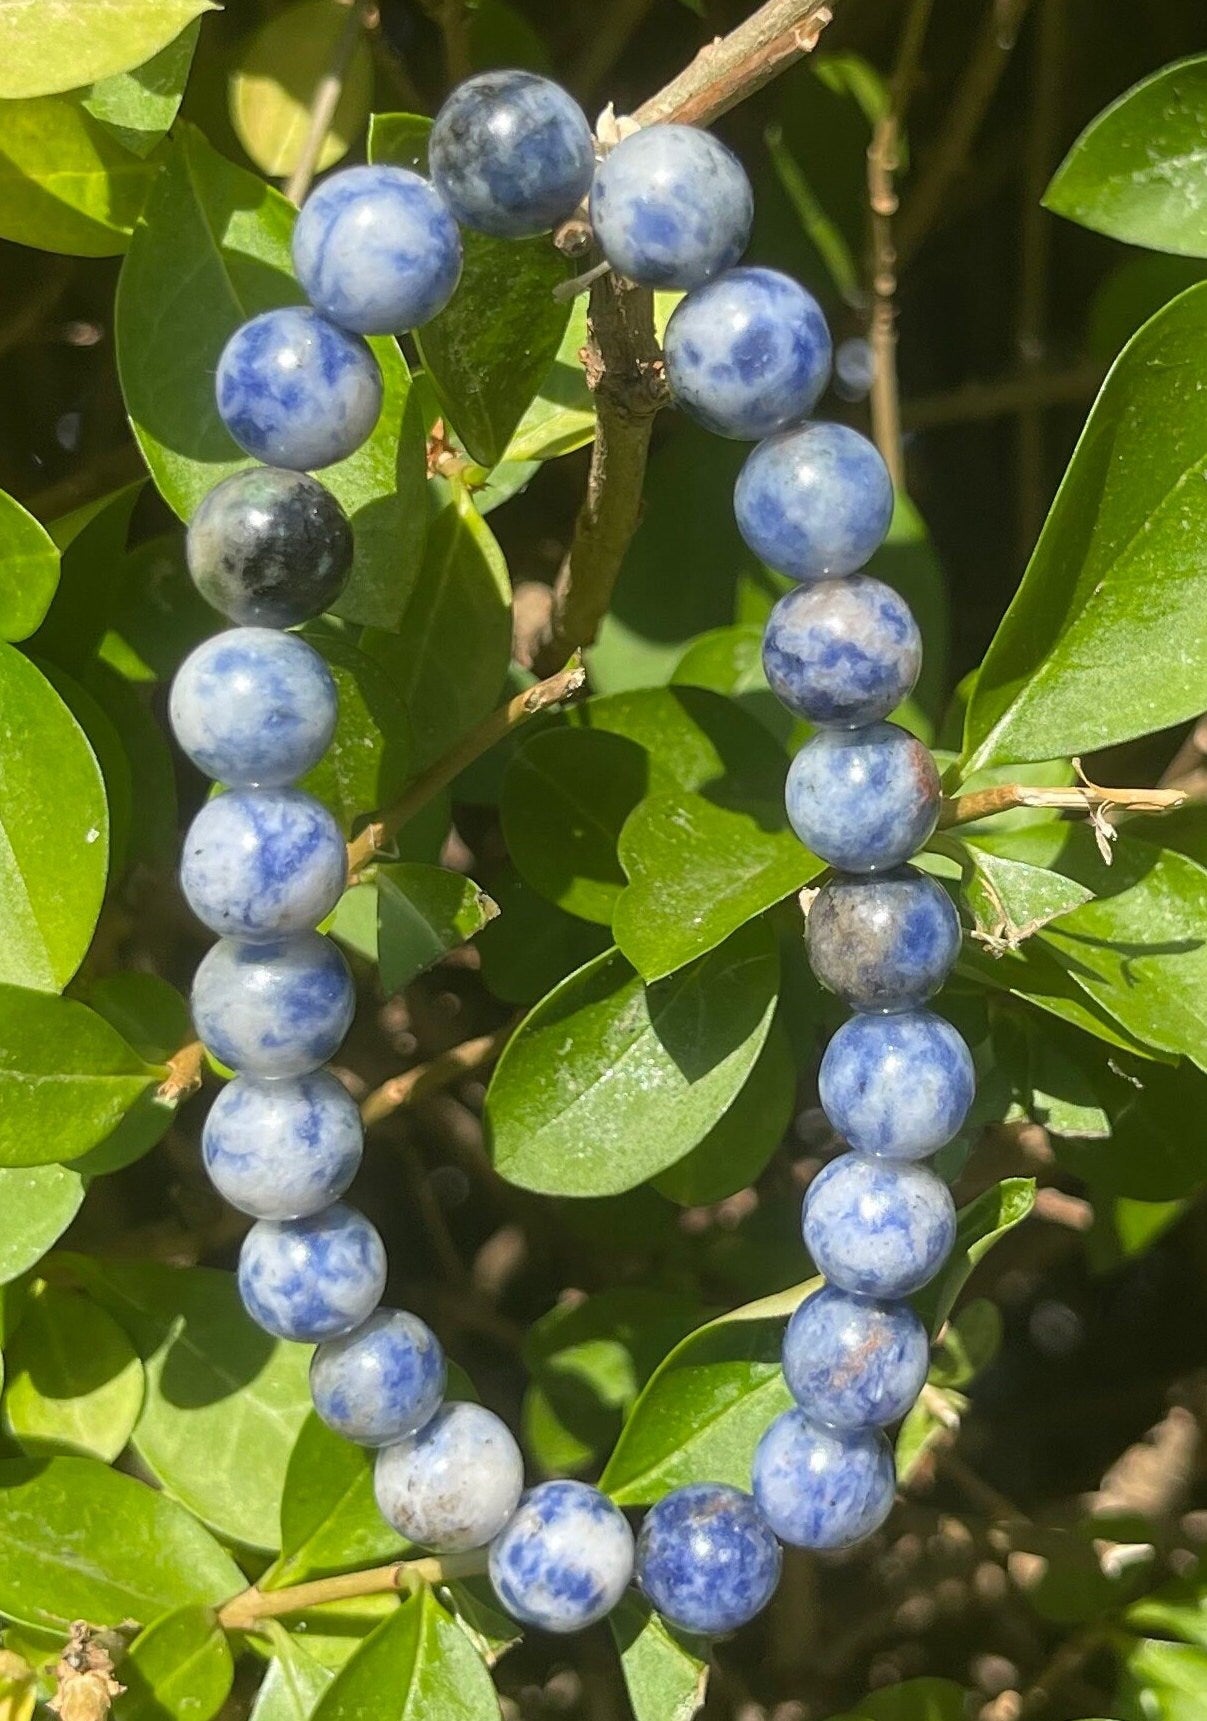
(293, 1684)
(707, 1404)
(1154, 1151)
(138, 106)
(273, 81)
(532, 945)
(37, 1204)
(915, 1700)
(66, 1079)
(224, 1401)
(730, 661)
(978, 1228)
(366, 764)
(1163, 1682)
(449, 655)
(66, 184)
(29, 569)
(329, 1517)
(969, 1344)
(1011, 898)
(401, 139)
(607, 1082)
(211, 250)
(561, 417)
(566, 795)
(1136, 171)
(110, 755)
(49, 45)
(738, 1146)
(1082, 658)
(698, 870)
(181, 1666)
(74, 1383)
(693, 739)
(923, 1425)
(1177, 1609)
(666, 1680)
(422, 913)
(145, 1553)
(417, 1666)
(54, 824)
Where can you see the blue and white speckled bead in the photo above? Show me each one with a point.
(863, 799)
(706, 1559)
(381, 1382)
(261, 863)
(376, 250)
(854, 1362)
(814, 502)
(747, 354)
(282, 1149)
(565, 1558)
(883, 942)
(254, 707)
(276, 1009)
(511, 154)
(842, 653)
(671, 207)
(295, 391)
(312, 1279)
(897, 1085)
(878, 1227)
(822, 1487)
(455, 1484)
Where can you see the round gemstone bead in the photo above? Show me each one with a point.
(854, 1362)
(282, 1149)
(565, 1558)
(842, 653)
(277, 1009)
(381, 1382)
(814, 502)
(863, 799)
(511, 154)
(311, 1279)
(878, 1227)
(454, 1484)
(260, 863)
(884, 942)
(671, 207)
(747, 354)
(897, 1085)
(254, 706)
(376, 250)
(269, 548)
(706, 1559)
(295, 391)
(822, 1487)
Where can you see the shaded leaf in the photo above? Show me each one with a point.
(329, 1517)
(66, 184)
(978, 1228)
(422, 913)
(532, 945)
(138, 106)
(665, 1678)
(37, 1204)
(180, 1666)
(366, 764)
(74, 1383)
(915, 1700)
(29, 570)
(274, 78)
(738, 1146)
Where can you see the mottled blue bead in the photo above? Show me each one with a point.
(671, 207)
(823, 1487)
(564, 1560)
(511, 154)
(863, 799)
(276, 1009)
(376, 250)
(854, 1362)
(295, 391)
(260, 863)
(706, 1559)
(382, 1381)
(269, 548)
(884, 942)
(814, 502)
(747, 354)
(455, 1484)
(842, 653)
(879, 1227)
(897, 1085)
(254, 706)
(312, 1279)
(282, 1149)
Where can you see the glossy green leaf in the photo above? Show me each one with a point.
(53, 831)
(1136, 171)
(293, 1684)
(730, 661)
(532, 945)
(181, 1667)
(423, 912)
(66, 1079)
(1154, 1150)
(146, 1554)
(978, 1228)
(971, 1340)
(366, 764)
(273, 81)
(1082, 658)
(914, 1700)
(401, 139)
(212, 249)
(224, 1401)
(738, 1146)
(1010, 897)
(49, 45)
(450, 652)
(66, 184)
(329, 1517)
(693, 739)
(37, 1204)
(607, 1081)
(929, 1420)
(666, 1679)
(29, 570)
(110, 755)
(152, 1017)
(137, 107)
(73, 1382)
(1162, 1681)
(561, 416)
(417, 1666)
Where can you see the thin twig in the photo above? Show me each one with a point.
(1084, 798)
(412, 1085)
(973, 402)
(728, 70)
(244, 1612)
(185, 1069)
(453, 18)
(327, 93)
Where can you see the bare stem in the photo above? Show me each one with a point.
(327, 93)
(245, 1611)
(1084, 798)
(728, 70)
(184, 1074)
(412, 1085)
